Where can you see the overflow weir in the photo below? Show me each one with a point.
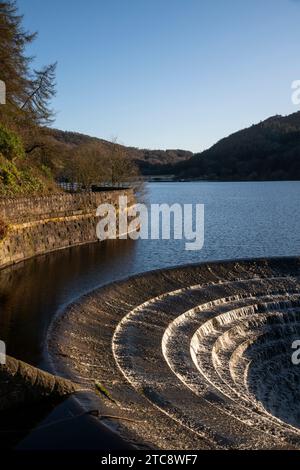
(194, 357)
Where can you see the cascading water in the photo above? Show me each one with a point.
(201, 355)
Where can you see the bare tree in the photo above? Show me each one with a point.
(85, 166)
(121, 167)
(42, 90)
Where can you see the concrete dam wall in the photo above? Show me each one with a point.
(37, 225)
(198, 357)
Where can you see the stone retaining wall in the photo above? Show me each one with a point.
(39, 225)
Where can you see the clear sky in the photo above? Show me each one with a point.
(167, 73)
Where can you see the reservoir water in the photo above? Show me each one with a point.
(242, 220)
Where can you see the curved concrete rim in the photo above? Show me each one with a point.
(61, 326)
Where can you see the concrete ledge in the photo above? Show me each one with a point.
(22, 384)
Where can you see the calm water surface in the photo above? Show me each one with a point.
(241, 220)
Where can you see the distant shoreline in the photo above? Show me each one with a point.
(174, 180)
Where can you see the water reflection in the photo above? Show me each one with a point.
(31, 292)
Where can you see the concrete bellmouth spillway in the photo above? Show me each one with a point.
(194, 357)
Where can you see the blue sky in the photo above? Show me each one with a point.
(167, 73)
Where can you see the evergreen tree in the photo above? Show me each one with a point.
(28, 92)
